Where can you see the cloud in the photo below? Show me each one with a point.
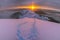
(54, 3)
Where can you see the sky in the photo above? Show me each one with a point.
(53, 3)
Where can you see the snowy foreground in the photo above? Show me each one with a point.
(28, 29)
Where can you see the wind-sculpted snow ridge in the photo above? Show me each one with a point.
(19, 36)
(34, 35)
(31, 33)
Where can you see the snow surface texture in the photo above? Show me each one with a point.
(34, 29)
(44, 30)
(30, 14)
(30, 34)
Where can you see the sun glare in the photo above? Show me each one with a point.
(32, 7)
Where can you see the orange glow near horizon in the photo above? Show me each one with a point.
(32, 7)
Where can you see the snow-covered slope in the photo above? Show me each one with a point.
(29, 29)
(8, 29)
(34, 29)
